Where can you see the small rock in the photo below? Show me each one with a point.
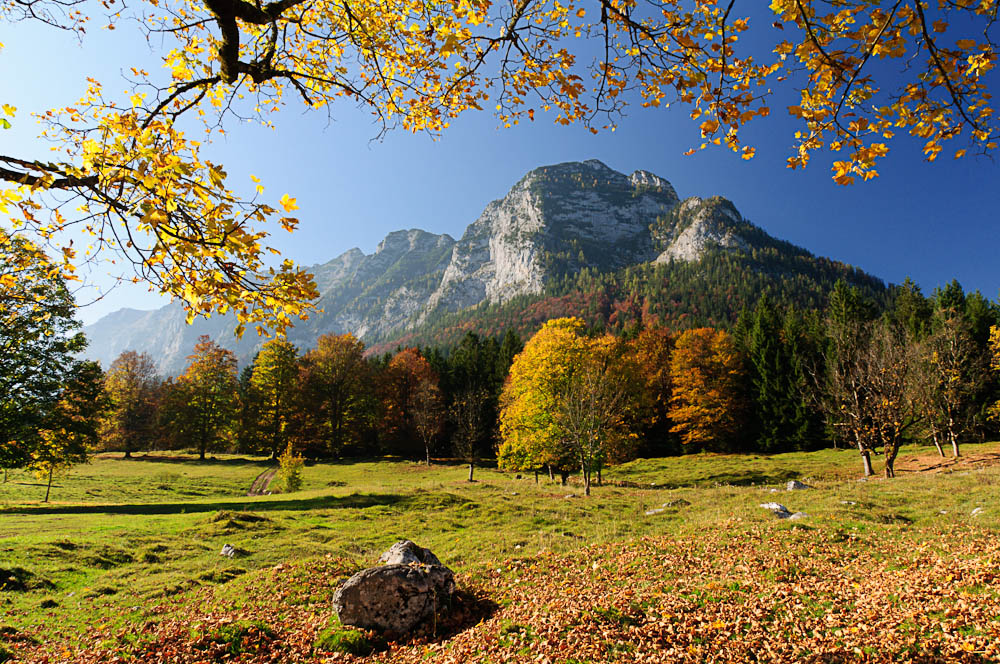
(848, 502)
(655, 510)
(676, 502)
(231, 551)
(797, 516)
(977, 511)
(517, 546)
(795, 485)
(570, 495)
(773, 491)
(777, 509)
(943, 512)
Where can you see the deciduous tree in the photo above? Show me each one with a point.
(38, 339)
(708, 405)
(338, 403)
(203, 398)
(275, 381)
(69, 429)
(131, 384)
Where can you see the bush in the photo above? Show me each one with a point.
(289, 471)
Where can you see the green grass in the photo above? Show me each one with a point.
(121, 537)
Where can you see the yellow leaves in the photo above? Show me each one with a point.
(709, 127)
(748, 152)
(288, 203)
(842, 172)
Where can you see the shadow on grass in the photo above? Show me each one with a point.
(195, 461)
(738, 478)
(355, 500)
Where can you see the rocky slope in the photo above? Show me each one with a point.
(556, 221)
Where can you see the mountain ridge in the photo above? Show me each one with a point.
(556, 223)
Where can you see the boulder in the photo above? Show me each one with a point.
(795, 485)
(778, 510)
(399, 596)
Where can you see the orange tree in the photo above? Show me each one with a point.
(135, 171)
(410, 403)
(708, 403)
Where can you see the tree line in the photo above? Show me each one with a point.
(863, 372)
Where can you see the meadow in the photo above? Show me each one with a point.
(124, 564)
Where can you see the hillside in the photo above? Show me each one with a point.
(574, 238)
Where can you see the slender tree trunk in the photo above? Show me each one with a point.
(427, 450)
(954, 445)
(586, 475)
(536, 476)
(552, 478)
(49, 487)
(600, 476)
(4, 475)
(471, 468)
(937, 443)
(128, 454)
(866, 459)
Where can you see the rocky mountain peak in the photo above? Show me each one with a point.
(695, 226)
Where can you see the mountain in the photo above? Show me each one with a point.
(569, 239)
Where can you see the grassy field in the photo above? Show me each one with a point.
(124, 560)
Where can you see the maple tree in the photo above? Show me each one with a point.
(130, 383)
(708, 401)
(131, 170)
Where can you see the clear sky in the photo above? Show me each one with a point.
(933, 222)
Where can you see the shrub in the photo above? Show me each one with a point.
(290, 467)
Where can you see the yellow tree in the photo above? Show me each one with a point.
(130, 384)
(203, 399)
(708, 399)
(995, 364)
(566, 402)
(275, 380)
(865, 73)
(530, 434)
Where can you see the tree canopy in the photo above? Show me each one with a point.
(135, 170)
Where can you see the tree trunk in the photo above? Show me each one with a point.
(471, 467)
(954, 445)
(937, 444)
(552, 478)
(427, 452)
(890, 461)
(600, 477)
(866, 459)
(536, 476)
(49, 487)
(586, 476)
(128, 454)
(4, 475)
(564, 476)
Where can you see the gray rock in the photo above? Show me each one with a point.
(977, 511)
(655, 510)
(777, 509)
(230, 551)
(795, 485)
(398, 596)
(405, 552)
(797, 516)
(394, 598)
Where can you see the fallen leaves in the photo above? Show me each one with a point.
(763, 593)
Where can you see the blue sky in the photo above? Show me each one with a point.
(933, 222)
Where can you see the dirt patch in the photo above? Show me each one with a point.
(932, 462)
(259, 486)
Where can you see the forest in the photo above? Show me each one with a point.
(859, 372)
